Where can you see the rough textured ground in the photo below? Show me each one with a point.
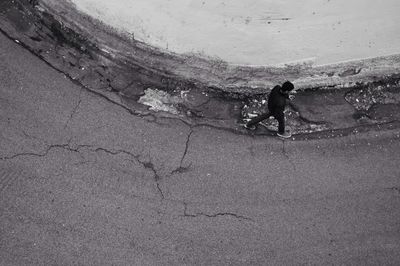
(83, 181)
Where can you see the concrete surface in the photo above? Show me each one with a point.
(258, 32)
(97, 55)
(84, 182)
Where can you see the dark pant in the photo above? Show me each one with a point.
(278, 116)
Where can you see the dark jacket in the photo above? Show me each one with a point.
(277, 100)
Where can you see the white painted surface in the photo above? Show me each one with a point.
(258, 32)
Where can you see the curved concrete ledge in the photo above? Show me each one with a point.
(135, 76)
(257, 32)
(209, 72)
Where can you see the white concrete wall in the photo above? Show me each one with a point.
(259, 32)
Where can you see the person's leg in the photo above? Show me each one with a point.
(281, 119)
(258, 119)
(281, 129)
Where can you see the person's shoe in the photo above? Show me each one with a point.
(249, 127)
(285, 135)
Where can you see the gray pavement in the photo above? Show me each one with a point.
(84, 182)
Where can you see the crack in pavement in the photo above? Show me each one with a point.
(219, 214)
(182, 169)
(146, 164)
(66, 146)
(150, 166)
(160, 190)
(186, 146)
(74, 110)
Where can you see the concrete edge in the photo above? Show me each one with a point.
(215, 73)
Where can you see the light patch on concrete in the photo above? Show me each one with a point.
(160, 101)
(258, 32)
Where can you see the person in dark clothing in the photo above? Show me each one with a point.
(276, 106)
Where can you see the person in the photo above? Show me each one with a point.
(276, 106)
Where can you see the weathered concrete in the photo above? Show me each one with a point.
(129, 83)
(122, 54)
(85, 182)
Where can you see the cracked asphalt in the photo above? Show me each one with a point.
(84, 181)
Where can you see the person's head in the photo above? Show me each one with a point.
(287, 87)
